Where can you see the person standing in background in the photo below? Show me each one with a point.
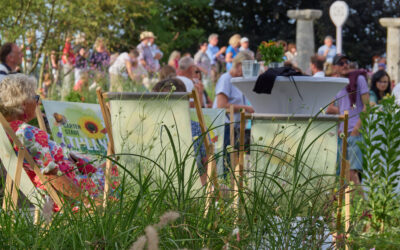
(328, 50)
(202, 60)
(291, 53)
(215, 54)
(156, 52)
(380, 87)
(99, 62)
(145, 52)
(232, 50)
(68, 61)
(244, 46)
(10, 57)
(354, 98)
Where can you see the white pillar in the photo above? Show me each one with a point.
(392, 47)
(304, 35)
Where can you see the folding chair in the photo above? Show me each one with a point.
(17, 179)
(283, 135)
(136, 124)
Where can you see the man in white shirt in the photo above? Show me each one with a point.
(123, 68)
(317, 66)
(10, 57)
(328, 50)
(186, 72)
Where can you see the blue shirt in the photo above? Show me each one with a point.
(234, 51)
(234, 95)
(331, 53)
(211, 52)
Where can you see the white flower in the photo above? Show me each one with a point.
(354, 106)
(341, 135)
(216, 204)
(235, 231)
(230, 149)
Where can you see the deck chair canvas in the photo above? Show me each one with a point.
(215, 122)
(154, 127)
(17, 179)
(279, 143)
(78, 126)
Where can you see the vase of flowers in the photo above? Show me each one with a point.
(272, 54)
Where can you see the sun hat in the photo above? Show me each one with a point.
(147, 34)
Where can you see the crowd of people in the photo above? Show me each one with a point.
(210, 65)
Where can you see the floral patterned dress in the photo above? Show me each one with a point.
(49, 156)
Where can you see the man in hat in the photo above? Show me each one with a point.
(244, 46)
(353, 98)
(146, 57)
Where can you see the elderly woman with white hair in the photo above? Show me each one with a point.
(68, 172)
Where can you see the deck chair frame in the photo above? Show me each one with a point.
(212, 184)
(344, 190)
(13, 182)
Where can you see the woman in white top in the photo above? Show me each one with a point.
(124, 68)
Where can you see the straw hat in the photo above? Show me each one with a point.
(147, 34)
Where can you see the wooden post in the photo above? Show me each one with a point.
(110, 146)
(212, 184)
(232, 142)
(17, 177)
(7, 193)
(106, 116)
(347, 203)
(239, 167)
(342, 172)
(39, 117)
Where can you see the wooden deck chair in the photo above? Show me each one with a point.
(17, 179)
(71, 118)
(284, 132)
(134, 124)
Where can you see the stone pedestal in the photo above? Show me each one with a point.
(392, 47)
(304, 35)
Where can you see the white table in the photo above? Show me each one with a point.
(317, 92)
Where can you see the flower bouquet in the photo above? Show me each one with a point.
(271, 52)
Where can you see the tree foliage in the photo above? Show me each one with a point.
(183, 24)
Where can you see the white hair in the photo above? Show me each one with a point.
(15, 90)
(210, 37)
(185, 63)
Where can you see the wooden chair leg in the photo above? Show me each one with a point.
(36, 215)
(7, 193)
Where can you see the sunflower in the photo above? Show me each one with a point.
(91, 127)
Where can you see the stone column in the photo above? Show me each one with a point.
(392, 47)
(304, 35)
